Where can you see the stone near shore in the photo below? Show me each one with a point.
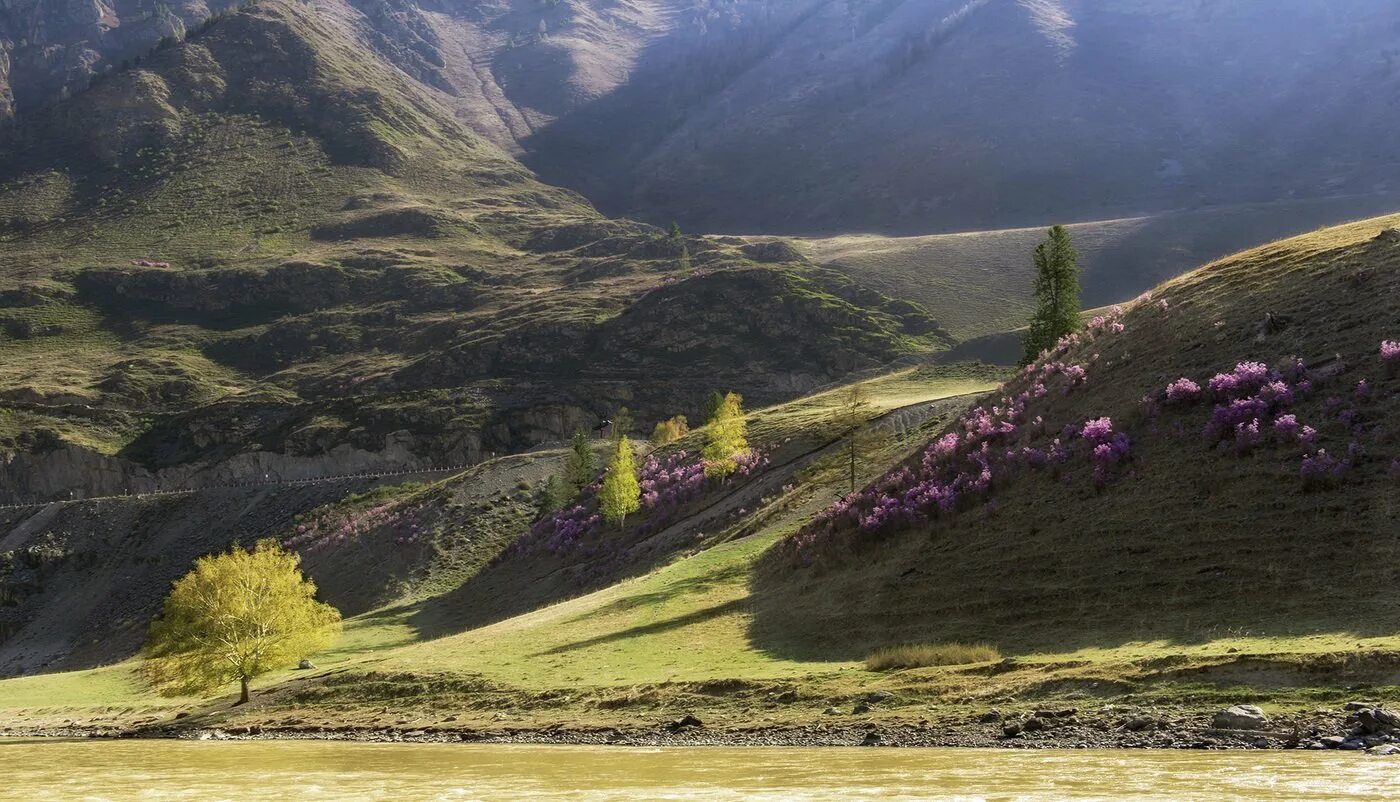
(1240, 717)
(1385, 750)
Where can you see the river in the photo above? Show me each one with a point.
(316, 770)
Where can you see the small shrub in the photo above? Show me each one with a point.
(918, 655)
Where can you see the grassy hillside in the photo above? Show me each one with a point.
(978, 283)
(1210, 519)
(390, 583)
(1194, 567)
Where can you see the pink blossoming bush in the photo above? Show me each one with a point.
(668, 483)
(1321, 470)
(1390, 356)
(336, 527)
(1244, 380)
(1183, 391)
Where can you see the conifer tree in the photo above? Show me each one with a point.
(555, 495)
(622, 424)
(854, 412)
(621, 493)
(1056, 294)
(578, 469)
(725, 437)
(713, 402)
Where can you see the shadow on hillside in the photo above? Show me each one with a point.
(1093, 583)
(524, 580)
(654, 628)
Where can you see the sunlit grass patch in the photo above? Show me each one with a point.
(920, 655)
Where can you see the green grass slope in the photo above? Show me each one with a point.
(1187, 542)
(645, 629)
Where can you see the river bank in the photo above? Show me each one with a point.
(1363, 728)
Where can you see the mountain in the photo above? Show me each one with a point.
(836, 116)
(220, 265)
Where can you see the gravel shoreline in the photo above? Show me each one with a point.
(1062, 729)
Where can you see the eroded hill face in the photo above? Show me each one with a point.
(220, 262)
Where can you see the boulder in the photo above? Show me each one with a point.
(685, 722)
(1385, 750)
(1033, 724)
(306, 665)
(1240, 717)
(1139, 723)
(871, 739)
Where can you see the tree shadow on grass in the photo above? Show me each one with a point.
(654, 628)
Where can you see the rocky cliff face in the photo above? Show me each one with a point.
(54, 48)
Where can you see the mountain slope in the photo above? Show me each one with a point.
(919, 116)
(278, 264)
(822, 116)
(1195, 572)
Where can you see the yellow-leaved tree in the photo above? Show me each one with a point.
(726, 437)
(621, 493)
(669, 431)
(237, 616)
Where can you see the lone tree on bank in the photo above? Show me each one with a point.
(1056, 294)
(621, 493)
(855, 411)
(237, 616)
(726, 436)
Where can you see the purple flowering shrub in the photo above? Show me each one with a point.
(337, 526)
(1183, 391)
(1390, 356)
(988, 447)
(669, 483)
(1111, 323)
(1252, 406)
(1255, 406)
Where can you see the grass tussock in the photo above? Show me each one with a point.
(919, 655)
